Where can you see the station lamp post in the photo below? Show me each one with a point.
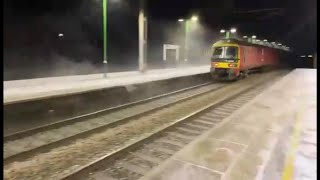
(142, 36)
(142, 22)
(228, 32)
(252, 39)
(104, 14)
(187, 28)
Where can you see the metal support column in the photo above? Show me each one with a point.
(142, 21)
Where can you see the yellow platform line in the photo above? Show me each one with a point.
(288, 171)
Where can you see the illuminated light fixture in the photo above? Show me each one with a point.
(253, 37)
(258, 40)
(222, 31)
(194, 18)
(279, 44)
(265, 40)
(245, 36)
(233, 30)
(60, 35)
(303, 56)
(310, 56)
(181, 20)
(273, 42)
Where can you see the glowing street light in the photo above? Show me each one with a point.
(181, 20)
(254, 37)
(279, 44)
(245, 37)
(265, 40)
(194, 18)
(310, 56)
(60, 35)
(232, 31)
(258, 40)
(303, 56)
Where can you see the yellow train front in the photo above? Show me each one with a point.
(225, 61)
(233, 59)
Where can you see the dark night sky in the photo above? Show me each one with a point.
(31, 27)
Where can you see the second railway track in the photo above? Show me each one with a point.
(22, 145)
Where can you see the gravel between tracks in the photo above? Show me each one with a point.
(62, 160)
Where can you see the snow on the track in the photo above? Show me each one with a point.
(22, 90)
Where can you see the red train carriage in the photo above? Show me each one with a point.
(232, 59)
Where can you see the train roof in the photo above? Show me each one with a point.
(246, 43)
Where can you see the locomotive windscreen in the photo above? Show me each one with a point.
(225, 54)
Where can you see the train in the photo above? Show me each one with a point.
(234, 59)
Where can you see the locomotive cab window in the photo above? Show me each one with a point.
(217, 52)
(231, 52)
(225, 54)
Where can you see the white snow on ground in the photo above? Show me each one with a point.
(22, 90)
(306, 158)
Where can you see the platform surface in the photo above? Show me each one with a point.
(271, 137)
(22, 90)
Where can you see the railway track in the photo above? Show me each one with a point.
(131, 148)
(133, 162)
(24, 144)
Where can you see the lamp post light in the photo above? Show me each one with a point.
(186, 27)
(232, 31)
(194, 18)
(252, 39)
(246, 37)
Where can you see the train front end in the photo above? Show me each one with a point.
(225, 61)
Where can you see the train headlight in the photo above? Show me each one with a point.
(232, 65)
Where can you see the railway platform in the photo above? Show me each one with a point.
(31, 89)
(271, 137)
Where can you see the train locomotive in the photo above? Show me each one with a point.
(233, 59)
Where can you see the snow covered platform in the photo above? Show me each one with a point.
(271, 137)
(31, 89)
